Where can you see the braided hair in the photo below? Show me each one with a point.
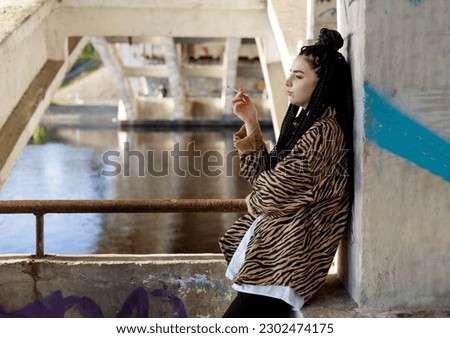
(333, 89)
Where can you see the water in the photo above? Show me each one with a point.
(85, 163)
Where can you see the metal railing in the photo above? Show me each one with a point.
(41, 207)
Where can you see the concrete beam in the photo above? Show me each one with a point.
(171, 58)
(148, 71)
(112, 60)
(230, 62)
(24, 118)
(187, 70)
(19, 126)
(212, 19)
(288, 21)
(209, 71)
(23, 50)
(274, 77)
(32, 69)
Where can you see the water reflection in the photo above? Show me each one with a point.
(107, 164)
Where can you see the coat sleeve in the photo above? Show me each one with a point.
(253, 154)
(289, 185)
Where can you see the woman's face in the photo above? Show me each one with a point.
(301, 82)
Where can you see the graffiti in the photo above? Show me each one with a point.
(325, 7)
(392, 130)
(350, 2)
(55, 306)
(198, 281)
(332, 12)
(416, 2)
(137, 304)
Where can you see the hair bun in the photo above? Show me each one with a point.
(330, 38)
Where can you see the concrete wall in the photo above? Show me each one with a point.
(114, 286)
(398, 255)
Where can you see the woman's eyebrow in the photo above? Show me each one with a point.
(297, 71)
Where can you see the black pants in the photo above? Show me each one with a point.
(247, 305)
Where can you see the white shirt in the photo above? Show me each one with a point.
(284, 293)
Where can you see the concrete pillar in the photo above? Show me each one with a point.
(111, 59)
(176, 82)
(230, 63)
(287, 19)
(30, 73)
(399, 251)
(274, 78)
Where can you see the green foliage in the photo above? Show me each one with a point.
(88, 54)
(41, 135)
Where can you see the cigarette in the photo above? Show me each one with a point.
(234, 89)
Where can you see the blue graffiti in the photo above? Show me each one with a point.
(416, 2)
(332, 12)
(55, 305)
(392, 130)
(197, 281)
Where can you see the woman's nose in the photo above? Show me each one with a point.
(288, 82)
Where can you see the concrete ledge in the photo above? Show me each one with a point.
(333, 301)
(114, 286)
(161, 286)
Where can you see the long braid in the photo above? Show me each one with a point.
(334, 89)
(286, 132)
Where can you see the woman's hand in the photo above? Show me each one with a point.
(244, 108)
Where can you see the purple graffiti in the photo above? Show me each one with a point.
(176, 302)
(138, 302)
(56, 306)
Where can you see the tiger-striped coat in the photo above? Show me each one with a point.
(305, 200)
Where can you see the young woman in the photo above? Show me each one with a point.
(280, 252)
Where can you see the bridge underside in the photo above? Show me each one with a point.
(42, 39)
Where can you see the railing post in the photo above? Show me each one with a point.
(39, 234)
